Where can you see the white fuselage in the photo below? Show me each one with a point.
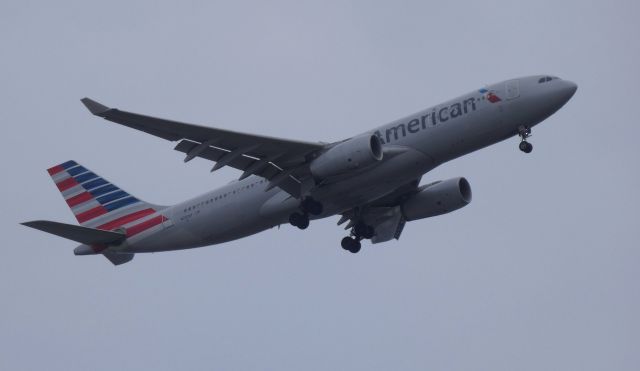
(413, 146)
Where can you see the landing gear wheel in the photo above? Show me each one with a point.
(299, 220)
(293, 219)
(304, 223)
(355, 248)
(351, 244)
(526, 147)
(346, 243)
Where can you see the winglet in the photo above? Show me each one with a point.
(94, 107)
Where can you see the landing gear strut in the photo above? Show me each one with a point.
(363, 230)
(359, 232)
(308, 206)
(524, 133)
(311, 206)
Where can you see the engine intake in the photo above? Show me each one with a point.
(353, 154)
(437, 199)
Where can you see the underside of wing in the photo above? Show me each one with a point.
(383, 215)
(283, 162)
(287, 178)
(387, 223)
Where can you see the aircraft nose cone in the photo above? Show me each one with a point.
(569, 89)
(548, 98)
(560, 94)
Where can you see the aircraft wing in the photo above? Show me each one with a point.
(281, 161)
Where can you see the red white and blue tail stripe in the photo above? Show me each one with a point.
(99, 204)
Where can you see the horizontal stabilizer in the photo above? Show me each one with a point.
(87, 236)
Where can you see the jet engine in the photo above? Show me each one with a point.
(437, 198)
(353, 154)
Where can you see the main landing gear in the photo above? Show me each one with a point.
(524, 133)
(359, 232)
(299, 220)
(351, 244)
(308, 206)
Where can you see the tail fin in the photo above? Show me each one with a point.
(97, 203)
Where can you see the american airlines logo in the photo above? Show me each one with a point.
(436, 116)
(491, 97)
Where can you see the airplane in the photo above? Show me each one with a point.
(372, 180)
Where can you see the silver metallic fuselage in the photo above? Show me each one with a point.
(413, 146)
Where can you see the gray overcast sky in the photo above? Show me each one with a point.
(540, 272)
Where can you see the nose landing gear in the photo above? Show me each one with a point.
(524, 133)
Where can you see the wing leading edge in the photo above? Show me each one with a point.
(283, 162)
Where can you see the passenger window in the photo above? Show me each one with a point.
(541, 80)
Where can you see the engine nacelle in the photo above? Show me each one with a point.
(437, 199)
(356, 153)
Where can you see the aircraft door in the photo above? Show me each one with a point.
(166, 220)
(512, 89)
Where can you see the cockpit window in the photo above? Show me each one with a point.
(546, 78)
